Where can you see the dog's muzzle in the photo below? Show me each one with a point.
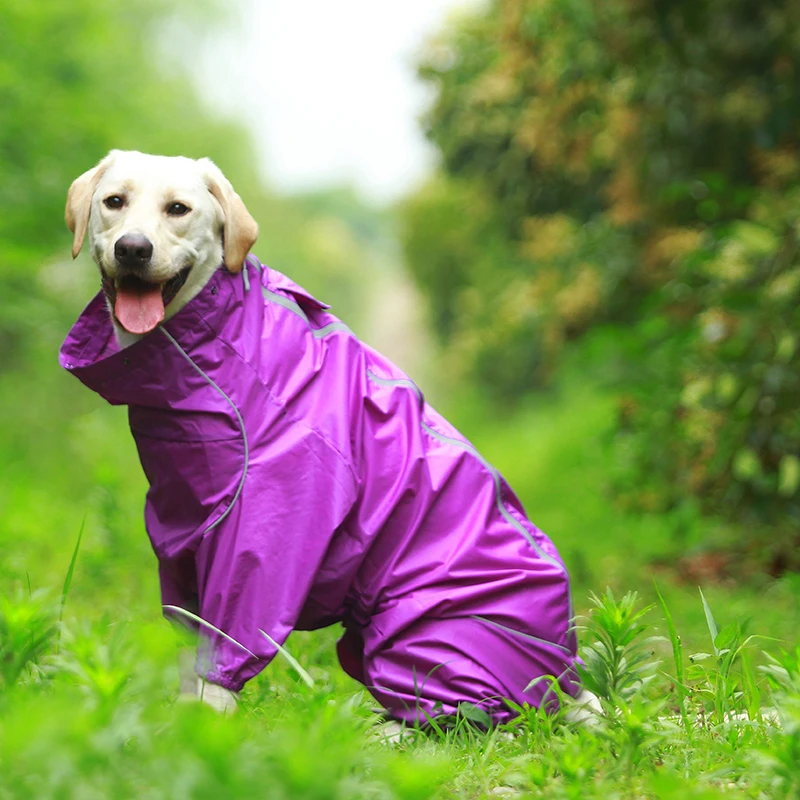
(139, 305)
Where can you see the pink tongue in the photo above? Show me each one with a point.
(139, 308)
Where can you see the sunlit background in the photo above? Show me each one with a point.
(329, 103)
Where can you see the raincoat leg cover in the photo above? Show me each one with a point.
(298, 479)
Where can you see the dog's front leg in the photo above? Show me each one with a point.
(219, 698)
(193, 687)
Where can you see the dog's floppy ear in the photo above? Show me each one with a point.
(240, 230)
(79, 201)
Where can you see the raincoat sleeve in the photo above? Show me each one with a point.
(256, 568)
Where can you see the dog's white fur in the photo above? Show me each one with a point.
(217, 226)
(216, 229)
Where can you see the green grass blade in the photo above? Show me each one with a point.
(710, 622)
(67, 581)
(307, 679)
(751, 694)
(71, 569)
(200, 621)
(677, 655)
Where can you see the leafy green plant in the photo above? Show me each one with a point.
(28, 629)
(780, 759)
(617, 662)
(100, 666)
(619, 668)
(724, 680)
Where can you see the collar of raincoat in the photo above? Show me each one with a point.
(149, 371)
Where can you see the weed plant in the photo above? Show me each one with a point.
(91, 712)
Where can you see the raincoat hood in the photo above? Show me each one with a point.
(298, 478)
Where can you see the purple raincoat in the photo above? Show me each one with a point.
(298, 478)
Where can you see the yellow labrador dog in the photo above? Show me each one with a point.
(157, 227)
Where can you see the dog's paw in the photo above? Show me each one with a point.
(584, 710)
(219, 698)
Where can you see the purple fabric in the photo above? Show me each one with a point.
(298, 479)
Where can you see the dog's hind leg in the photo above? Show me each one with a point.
(449, 666)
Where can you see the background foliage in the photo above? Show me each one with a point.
(630, 162)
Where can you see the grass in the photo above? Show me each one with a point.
(100, 719)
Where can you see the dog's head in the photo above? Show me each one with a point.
(157, 227)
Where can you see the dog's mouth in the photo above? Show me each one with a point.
(139, 304)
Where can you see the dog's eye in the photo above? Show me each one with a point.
(114, 201)
(178, 209)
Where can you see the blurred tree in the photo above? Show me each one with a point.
(633, 161)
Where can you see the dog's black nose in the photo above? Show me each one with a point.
(133, 251)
